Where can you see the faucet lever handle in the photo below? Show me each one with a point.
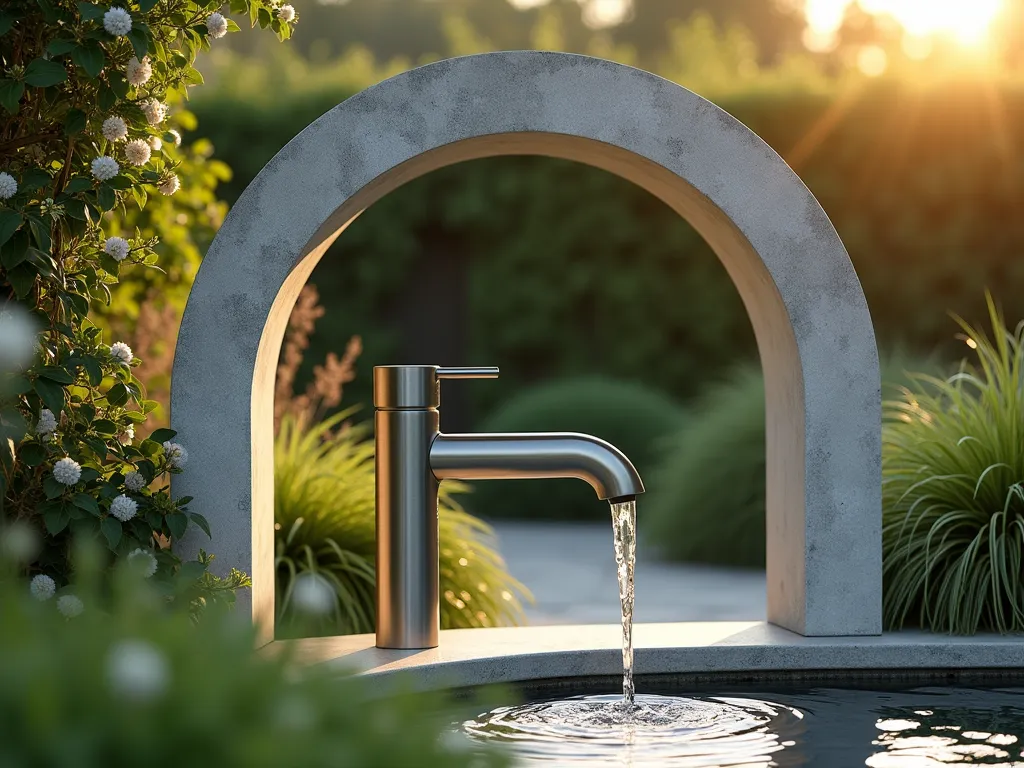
(485, 372)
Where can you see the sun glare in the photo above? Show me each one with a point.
(966, 21)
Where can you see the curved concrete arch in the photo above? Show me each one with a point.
(805, 302)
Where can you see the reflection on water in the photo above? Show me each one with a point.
(827, 727)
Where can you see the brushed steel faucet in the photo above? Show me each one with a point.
(413, 457)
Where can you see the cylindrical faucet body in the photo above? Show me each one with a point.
(406, 421)
(412, 458)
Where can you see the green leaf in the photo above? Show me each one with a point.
(141, 196)
(79, 303)
(193, 570)
(56, 520)
(52, 488)
(51, 393)
(21, 278)
(147, 5)
(139, 38)
(78, 184)
(91, 11)
(93, 369)
(118, 394)
(163, 435)
(10, 222)
(32, 454)
(6, 22)
(98, 446)
(119, 182)
(88, 475)
(193, 77)
(89, 56)
(177, 523)
(105, 427)
(86, 503)
(148, 406)
(58, 374)
(118, 84)
(10, 94)
(42, 262)
(106, 197)
(233, 27)
(42, 73)
(59, 47)
(35, 178)
(111, 528)
(201, 522)
(74, 123)
(40, 233)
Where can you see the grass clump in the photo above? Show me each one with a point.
(953, 503)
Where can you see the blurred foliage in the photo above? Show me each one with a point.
(325, 527)
(127, 683)
(630, 416)
(706, 500)
(569, 270)
(953, 492)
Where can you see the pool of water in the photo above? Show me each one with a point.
(925, 727)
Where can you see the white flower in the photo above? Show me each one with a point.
(170, 184)
(104, 168)
(156, 143)
(312, 594)
(69, 606)
(117, 248)
(115, 129)
(176, 137)
(216, 25)
(123, 508)
(154, 111)
(176, 454)
(286, 13)
(137, 151)
(136, 670)
(138, 72)
(117, 22)
(146, 562)
(67, 471)
(47, 423)
(134, 481)
(42, 587)
(8, 186)
(19, 543)
(121, 352)
(126, 437)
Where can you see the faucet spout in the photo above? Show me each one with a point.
(502, 456)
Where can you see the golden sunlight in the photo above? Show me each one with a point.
(966, 21)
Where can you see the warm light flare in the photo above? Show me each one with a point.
(967, 21)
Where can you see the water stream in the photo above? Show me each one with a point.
(624, 527)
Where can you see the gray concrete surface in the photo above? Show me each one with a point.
(570, 569)
(805, 302)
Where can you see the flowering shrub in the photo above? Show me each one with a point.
(86, 95)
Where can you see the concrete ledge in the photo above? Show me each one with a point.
(474, 657)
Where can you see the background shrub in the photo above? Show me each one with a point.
(953, 492)
(629, 415)
(705, 503)
(563, 270)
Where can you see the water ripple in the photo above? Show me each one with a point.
(656, 731)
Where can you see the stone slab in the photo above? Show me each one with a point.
(473, 657)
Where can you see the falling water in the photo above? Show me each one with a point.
(624, 525)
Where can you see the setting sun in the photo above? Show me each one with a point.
(966, 21)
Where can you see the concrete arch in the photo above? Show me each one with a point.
(806, 304)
